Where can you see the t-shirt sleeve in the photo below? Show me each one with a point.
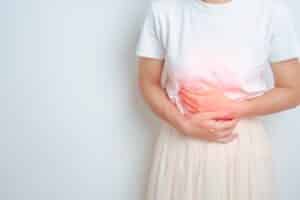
(150, 42)
(284, 42)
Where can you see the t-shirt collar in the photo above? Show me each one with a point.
(216, 7)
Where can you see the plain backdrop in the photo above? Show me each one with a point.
(72, 121)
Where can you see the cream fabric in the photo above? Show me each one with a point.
(186, 168)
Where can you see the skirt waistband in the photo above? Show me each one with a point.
(243, 123)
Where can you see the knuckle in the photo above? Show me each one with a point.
(225, 134)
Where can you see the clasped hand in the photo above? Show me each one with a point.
(209, 115)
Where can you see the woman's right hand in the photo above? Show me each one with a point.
(204, 125)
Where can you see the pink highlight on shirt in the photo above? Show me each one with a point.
(231, 91)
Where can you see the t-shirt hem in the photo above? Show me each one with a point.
(284, 57)
(149, 55)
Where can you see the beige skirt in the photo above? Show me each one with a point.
(185, 168)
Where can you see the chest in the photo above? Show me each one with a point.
(200, 43)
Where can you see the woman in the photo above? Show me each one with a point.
(201, 70)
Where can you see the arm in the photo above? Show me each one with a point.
(285, 94)
(149, 73)
(149, 83)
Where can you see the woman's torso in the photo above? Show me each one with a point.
(223, 46)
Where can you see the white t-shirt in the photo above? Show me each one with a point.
(227, 45)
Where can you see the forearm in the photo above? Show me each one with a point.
(274, 100)
(159, 103)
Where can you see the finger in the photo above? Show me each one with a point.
(203, 92)
(207, 100)
(195, 91)
(201, 85)
(228, 117)
(188, 99)
(190, 94)
(189, 104)
(223, 125)
(217, 126)
(233, 121)
(199, 98)
(213, 115)
(227, 139)
(230, 138)
(189, 108)
(224, 133)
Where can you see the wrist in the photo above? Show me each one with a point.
(243, 109)
(180, 123)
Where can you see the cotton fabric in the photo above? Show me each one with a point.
(228, 45)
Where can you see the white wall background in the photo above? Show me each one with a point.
(72, 123)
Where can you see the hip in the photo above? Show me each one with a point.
(252, 137)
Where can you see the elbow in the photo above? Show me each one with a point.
(295, 100)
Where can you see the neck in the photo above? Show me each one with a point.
(216, 1)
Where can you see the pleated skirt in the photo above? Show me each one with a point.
(185, 168)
